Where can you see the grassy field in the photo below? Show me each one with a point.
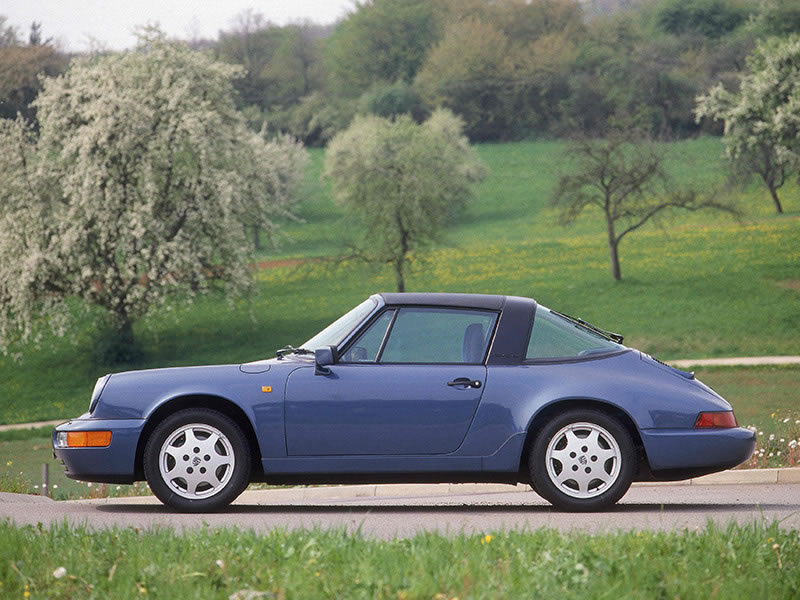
(697, 285)
(752, 561)
(24, 452)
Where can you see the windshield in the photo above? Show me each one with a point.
(556, 336)
(338, 330)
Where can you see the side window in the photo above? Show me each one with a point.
(556, 337)
(367, 346)
(439, 335)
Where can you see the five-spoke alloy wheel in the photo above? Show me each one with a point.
(197, 460)
(582, 460)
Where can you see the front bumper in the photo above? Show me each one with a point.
(697, 450)
(115, 463)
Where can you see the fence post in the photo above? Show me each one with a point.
(45, 480)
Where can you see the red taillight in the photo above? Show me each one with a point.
(708, 420)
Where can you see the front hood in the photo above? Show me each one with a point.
(135, 394)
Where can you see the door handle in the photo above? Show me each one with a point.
(465, 381)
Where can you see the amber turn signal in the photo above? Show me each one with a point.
(710, 420)
(88, 439)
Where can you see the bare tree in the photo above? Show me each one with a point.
(623, 176)
(36, 38)
(9, 35)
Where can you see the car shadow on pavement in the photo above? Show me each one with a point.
(449, 508)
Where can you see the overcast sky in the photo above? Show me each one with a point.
(73, 23)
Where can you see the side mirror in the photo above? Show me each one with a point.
(323, 357)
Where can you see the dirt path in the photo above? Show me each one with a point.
(282, 262)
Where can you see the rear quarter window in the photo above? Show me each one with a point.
(556, 337)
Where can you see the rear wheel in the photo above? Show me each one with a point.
(582, 460)
(197, 460)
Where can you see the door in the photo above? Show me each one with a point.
(410, 384)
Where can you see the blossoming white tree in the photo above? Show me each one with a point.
(140, 185)
(762, 119)
(403, 180)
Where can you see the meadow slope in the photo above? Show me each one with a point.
(694, 284)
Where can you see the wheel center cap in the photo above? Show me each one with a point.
(195, 461)
(582, 460)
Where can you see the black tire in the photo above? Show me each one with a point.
(593, 446)
(197, 460)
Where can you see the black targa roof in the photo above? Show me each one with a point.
(484, 301)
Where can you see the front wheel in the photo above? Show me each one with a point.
(582, 460)
(197, 460)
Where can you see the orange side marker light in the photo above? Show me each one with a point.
(88, 439)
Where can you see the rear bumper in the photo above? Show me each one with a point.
(113, 464)
(697, 450)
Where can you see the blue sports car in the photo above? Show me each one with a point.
(412, 388)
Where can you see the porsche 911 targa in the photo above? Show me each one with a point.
(412, 388)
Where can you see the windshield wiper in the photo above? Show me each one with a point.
(288, 349)
(609, 335)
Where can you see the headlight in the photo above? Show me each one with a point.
(98, 389)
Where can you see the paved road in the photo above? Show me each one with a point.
(644, 507)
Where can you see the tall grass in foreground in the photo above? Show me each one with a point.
(740, 561)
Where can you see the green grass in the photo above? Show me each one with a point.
(21, 472)
(740, 561)
(513, 202)
(697, 285)
(759, 395)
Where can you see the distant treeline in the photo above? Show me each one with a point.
(512, 69)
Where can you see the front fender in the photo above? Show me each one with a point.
(259, 395)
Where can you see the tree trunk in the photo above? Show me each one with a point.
(256, 237)
(121, 348)
(615, 270)
(400, 261)
(613, 248)
(125, 331)
(400, 276)
(774, 193)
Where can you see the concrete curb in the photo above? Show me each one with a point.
(733, 477)
(8, 497)
(786, 475)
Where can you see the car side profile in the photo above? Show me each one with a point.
(412, 387)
